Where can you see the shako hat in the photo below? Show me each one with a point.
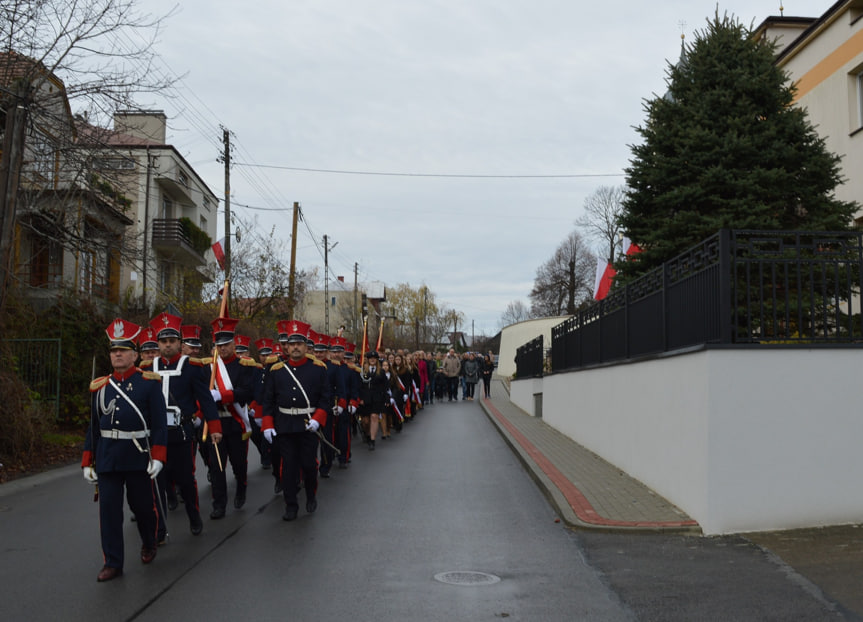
(322, 342)
(166, 325)
(121, 333)
(223, 330)
(264, 346)
(147, 339)
(191, 335)
(243, 342)
(292, 331)
(337, 344)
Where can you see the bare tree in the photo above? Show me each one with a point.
(564, 281)
(601, 220)
(516, 311)
(55, 56)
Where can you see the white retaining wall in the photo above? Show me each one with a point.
(740, 439)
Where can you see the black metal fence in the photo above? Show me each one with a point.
(530, 359)
(38, 363)
(736, 287)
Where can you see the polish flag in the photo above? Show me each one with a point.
(605, 274)
(219, 252)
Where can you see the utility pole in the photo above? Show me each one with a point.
(326, 286)
(356, 301)
(292, 277)
(226, 137)
(327, 249)
(10, 174)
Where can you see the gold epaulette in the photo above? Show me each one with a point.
(196, 361)
(98, 383)
(318, 362)
(278, 365)
(151, 375)
(356, 368)
(311, 357)
(148, 363)
(206, 360)
(273, 358)
(248, 361)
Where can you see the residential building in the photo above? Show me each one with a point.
(343, 306)
(173, 209)
(824, 57)
(65, 232)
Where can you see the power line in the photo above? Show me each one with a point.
(449, 175)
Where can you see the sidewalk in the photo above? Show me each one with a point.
(588, 492)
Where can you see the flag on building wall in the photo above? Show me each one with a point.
(219, 252)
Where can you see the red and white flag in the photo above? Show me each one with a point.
(219, 252)
(605, 272)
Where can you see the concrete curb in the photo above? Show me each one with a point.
(572, 505)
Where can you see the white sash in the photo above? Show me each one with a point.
(174, 414)
(223, 380)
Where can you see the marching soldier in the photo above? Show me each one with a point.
(233, 390)
(337, 392)
(125, 448)
(296, 405)
(147, 344)
(185, 390)
(345, 406)
(256, 415)
(352, 385)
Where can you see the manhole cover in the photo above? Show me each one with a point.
(466, 577)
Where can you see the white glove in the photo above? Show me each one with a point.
(197, 421)
(90, 475)
(405, 397)
(340, 409)
(313, 425)
(154, 467)
(352, 409)
(217, 397)
(270, 434)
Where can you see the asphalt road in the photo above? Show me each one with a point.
(440, 523)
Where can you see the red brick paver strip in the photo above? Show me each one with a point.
(621, 497)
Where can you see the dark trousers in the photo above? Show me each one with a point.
(180, 470)
(299, 454)
(343, 436)
(233, 449)
(142, 501)
(262, 445)
(327, 454)
(486, 383)
(469, 388)
(452, 387)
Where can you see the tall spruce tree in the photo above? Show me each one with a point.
(725, 147)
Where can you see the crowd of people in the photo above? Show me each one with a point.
(302, 403)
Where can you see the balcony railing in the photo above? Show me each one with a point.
(171, 238)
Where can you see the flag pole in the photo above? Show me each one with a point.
(222, 310)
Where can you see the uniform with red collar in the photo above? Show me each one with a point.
(234, 445)
(186, 395)
(125, 445)
(296, 403)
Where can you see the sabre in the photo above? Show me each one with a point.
(325, 441)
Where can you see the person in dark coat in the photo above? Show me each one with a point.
(296, 403)
(125, 448)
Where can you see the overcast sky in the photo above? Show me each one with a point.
(464, 99)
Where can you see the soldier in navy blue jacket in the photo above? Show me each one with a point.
(125, 448)
(297, 403)
(338, 403)
(233, 391)
(185, 390)
(342, 428)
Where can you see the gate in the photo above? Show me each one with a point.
(38, 365)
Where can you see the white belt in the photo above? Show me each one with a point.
(296, 411)
(124, 434)
(224, 414)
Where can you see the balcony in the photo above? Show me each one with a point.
(173, 241)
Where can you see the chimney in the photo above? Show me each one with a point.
(149, 125)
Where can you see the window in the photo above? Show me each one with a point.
(203, 224)
(183, 179)
(46, 263)
(43, 155)
(166, 207)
